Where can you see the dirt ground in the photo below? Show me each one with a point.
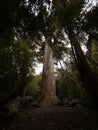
(54, 118)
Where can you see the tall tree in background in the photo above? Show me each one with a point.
(72, 25)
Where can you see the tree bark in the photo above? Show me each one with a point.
(48, 89)
(86, 73)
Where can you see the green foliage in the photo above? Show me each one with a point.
(33, 87)
(92, 56)
(69, 85)
(67, 11)
(15, 66)
(94, 51)
(8, 74)
(91, 22)
(58, 51)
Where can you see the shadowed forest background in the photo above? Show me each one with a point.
(60, 34)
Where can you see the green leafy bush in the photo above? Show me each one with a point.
(33, 87)
(69, 85)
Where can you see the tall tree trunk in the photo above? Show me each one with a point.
(48, 88)
(86, 73)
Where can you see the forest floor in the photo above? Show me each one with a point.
(53, 118)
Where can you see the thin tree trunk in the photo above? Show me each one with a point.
(86, 73)
(48, 88)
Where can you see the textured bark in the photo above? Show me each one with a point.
(86, 73)
(48, 88)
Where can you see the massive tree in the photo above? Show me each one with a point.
(48, 88)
